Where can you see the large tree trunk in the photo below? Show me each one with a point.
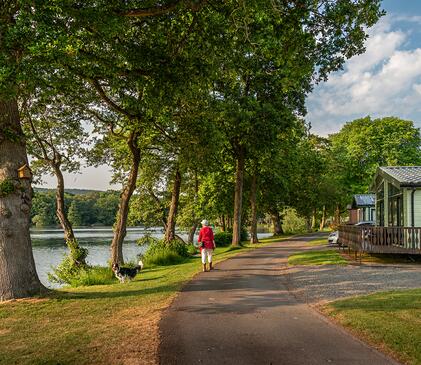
(123, 208)
(18, 276)
(323, 220)
(277, 225)
(78, 255)
(238, 199)
(170, 231)
(253, 204)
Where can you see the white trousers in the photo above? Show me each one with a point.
(208, 252)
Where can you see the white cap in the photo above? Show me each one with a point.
(205, 222)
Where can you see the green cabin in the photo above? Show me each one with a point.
(398, 196)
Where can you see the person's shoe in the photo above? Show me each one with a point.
(204, 267)
(210, 266)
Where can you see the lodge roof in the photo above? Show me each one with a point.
(404, 176)
(364, 200)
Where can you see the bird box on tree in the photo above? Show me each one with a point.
(24, 172)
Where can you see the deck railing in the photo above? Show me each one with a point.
(381, 239)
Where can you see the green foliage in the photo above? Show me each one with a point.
(72, 266)
(365, 144)
(7, 187)
(77, 254)
(192, 249)
(223, 239)
(83, 209)
(147, 240)
(292, 222)
(94, 275)
(73, 276)
(75, 213)
(43, 210)
(65, 272)
(160, 252)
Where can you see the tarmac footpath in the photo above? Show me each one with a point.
(242, 313)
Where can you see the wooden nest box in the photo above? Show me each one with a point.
(24, 172)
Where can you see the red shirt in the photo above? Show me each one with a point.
(206, 236)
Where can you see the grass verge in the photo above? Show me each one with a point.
(318, 242)
(103, 324)
(391, 321)
(325, 257)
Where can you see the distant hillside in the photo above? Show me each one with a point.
(69, 191)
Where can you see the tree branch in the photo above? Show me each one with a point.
(108, 100)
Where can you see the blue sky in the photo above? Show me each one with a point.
(384, 81)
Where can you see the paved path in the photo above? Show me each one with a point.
(242, 313)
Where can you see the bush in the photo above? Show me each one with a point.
(160, 252)
(66, 273)
(223, 239)
(292, 222)
(192, 250)
(94, 275)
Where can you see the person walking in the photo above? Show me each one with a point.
(206, 243)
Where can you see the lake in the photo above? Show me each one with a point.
(49, 246)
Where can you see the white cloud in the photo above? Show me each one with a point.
(385, 80)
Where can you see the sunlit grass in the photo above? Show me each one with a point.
(318, 242)
(326, 257)
(390, 320)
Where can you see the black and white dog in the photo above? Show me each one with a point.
(125, 273)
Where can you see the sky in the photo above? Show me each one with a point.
(383, 81)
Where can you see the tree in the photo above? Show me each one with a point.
(43, 209)
(364, 144)
(277, 53)
(18, 277)
(132, 57)
(56, 139)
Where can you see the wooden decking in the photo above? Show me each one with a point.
(406, 240)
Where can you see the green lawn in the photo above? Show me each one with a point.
(325, 257)
(318, 242)
(107, 324)
(391, 321)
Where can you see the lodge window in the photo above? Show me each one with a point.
(380, 204)
(395, 206)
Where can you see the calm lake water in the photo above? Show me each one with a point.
(49, 246)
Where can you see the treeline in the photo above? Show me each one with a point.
(86, 209)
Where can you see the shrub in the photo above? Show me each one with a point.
(94, 275)
(292, 222)
(147, 240)
(64, 272)
(68, 274)
(192, 250)
(223, 239)
(160, 252)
